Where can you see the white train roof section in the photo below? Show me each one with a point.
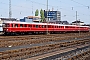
(16, 22)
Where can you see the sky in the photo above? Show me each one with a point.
(68, 8)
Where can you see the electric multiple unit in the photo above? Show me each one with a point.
(24, 27)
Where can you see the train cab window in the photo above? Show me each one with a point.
(36, 26)
(7, 25)
(16, 25)
(21, 25)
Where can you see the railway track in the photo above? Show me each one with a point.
(76, 53)
(20, 40)
(23, 47)
(37, 50)
(82, 56)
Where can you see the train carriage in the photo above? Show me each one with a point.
(24, 27)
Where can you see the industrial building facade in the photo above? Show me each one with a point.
(53, 15)
(31, 19)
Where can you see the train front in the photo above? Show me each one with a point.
(6, 28)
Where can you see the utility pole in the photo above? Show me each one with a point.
(79, 27)
(76, 17)
(47, 18)
(32, 8)
(10, 12)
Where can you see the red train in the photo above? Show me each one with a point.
(23, 27)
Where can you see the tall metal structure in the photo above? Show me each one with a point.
(76, 17)
(78, 23)
(47, 17)
(10, 12)
(32, 8)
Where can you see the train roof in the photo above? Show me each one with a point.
(17, 22)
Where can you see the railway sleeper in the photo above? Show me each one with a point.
(33, 52)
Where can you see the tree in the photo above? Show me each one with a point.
(42, 15)
(36, 12)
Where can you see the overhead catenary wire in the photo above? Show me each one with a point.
(40, 4)
(80, 4)
(59, 7)
(51, 5)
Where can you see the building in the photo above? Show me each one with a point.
(7, 19)
(53, 15)
(31, 19)
(78, 22)
(59, 22)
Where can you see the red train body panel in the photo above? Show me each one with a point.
(17, 27)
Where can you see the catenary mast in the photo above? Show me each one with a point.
(10, 12)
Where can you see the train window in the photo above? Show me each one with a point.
(43, 26)
(6, 25)
(25, 25)
(66, 26)
(16, 25)
(40, 26)
(33, 25)
(12, 25)
(52, 26)
(21, 25)
(36, 26)
(61, 26)
(49, 26)
(55, 26)
(28, 25)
